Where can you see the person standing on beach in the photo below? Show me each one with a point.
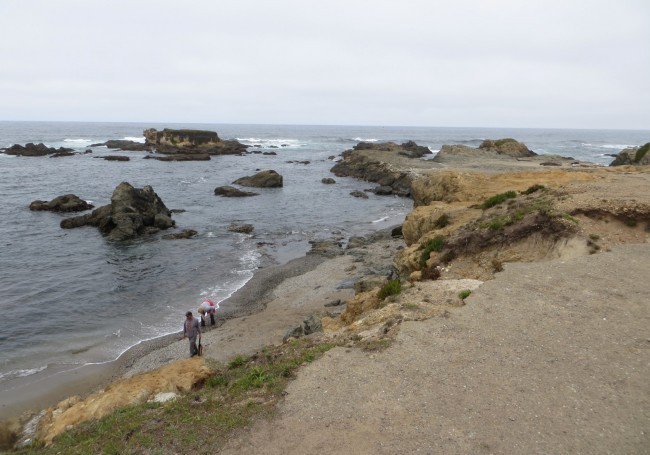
(207, 306)
(191, 330)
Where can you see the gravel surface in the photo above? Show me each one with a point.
(548, 358)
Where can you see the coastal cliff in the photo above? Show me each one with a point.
(500, 274)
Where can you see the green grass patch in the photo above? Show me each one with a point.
(436, 244)
(505, 140)
(392, 287)
(464, 294)
(498, 199)
(200, 421)
(533, 189)
(641, 152)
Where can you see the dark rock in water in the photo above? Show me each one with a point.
(171, 141)
(231, 191)
(31, 149)
(359, 194)
(87, 152)
(328, 181)
(178, 210)
(241, 228)
(633, 156)
(178, 157)
(397, 232)
(65, 203)
(129, 146)
(61, 154)
(263, 179)
(412, 150)
(132, 212)
(114, 158)
(269, 153)
(185, 234)
(383, 190)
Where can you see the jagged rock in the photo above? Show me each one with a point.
(269, 153)
(312, 325)
(185, 234)
(412, 150)
(328, 181)
(171, 141)
(241, 228)
(507, 146)
(231, 191)
(633, 156)
(263, 179)
(359, 194)
(31, 149)
(294, 332)
(130, 146)
(397, 231)
(131, 213)
(179, 157)
(65, 203)
(383, 190)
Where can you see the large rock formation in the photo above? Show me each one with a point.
(132, 212)
(507, 146)
(191, 141)
(263, 179)
(368, 162)
(633, 156)
(31, 149)
(502, 148)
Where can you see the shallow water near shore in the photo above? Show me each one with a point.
(70, 297)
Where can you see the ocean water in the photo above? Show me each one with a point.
(71, 297)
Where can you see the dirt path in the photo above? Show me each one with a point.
(551, 357)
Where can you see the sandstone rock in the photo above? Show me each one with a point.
(65, 203)
(130, 213)
(507, 146)
(171, 141)
(633, 156)
(231, 191)
(263, 179)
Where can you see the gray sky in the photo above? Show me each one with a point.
(499, 63)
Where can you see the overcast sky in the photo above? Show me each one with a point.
(498, 63)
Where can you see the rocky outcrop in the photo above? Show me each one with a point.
(231, 191)
(132, 212)
(241, 228)
(178, 157)
(411, 150)
(31, 149)
(263, 179)
(114, 158)
(507, 146)
(633, 156)
(171, 141)
(65, 203)
(365, 161)
(129, 146)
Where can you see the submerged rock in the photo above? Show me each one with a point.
(241, 228)
(231, 191)
(185, 234)
(132, 212)
(130, 146)
(263, 179)
(65, 203)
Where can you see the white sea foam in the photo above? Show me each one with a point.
(21, 373)
(77, 140)
(271, 143)
(360, 139)
(381, 219)
(140, 139)
(610, 146)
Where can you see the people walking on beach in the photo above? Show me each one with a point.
(191, 330)
(207, 306)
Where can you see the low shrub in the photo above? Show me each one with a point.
(431, 273)
(392, 287)
(436, 244)
(498, 199)
(442, 221)
(641, 152)
(464, 294)
(532, 189)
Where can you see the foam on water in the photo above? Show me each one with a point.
(140, 139)
(77, 140)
